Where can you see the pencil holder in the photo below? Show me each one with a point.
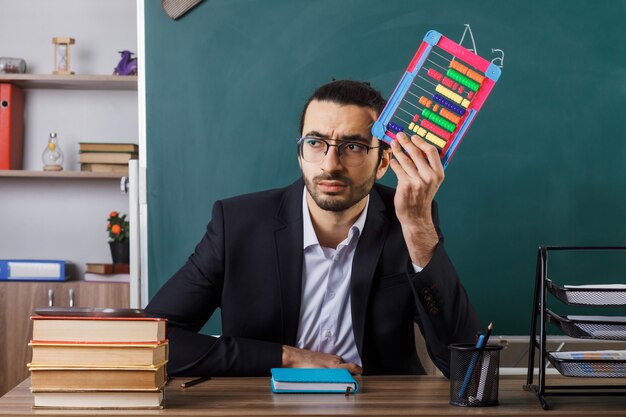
(474, 375)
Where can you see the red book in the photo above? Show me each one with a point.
(11, 126)
(103, 268)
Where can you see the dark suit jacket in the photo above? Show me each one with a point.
(249, 263)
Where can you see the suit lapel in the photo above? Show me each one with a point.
(364, 264)
(288, 238)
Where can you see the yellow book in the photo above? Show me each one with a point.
(98, 329)
(133, 378)
(98, 355)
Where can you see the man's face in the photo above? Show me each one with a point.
(332, 185)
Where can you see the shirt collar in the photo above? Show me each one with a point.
(309, 236)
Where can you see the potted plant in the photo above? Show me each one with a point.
(117, 227)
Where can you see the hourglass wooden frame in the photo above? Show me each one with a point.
(62, 47)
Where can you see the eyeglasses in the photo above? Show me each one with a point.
(351, 154)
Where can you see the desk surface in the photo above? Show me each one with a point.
(389, 395)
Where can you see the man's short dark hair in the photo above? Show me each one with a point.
(346, 92)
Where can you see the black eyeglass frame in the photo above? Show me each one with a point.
(339, 146)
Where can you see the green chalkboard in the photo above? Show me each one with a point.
(544, 162)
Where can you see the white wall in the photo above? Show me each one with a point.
(53, 218)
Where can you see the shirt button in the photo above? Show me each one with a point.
(328, 334)
(331, 294)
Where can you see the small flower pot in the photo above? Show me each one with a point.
(120, 252)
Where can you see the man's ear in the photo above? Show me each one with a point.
(384, 163)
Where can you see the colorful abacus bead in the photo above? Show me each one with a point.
(437, 141)
(449, 94)
(425, 102)
(394, 127)
(447, 82)
(462, 79)
(475, 76)
(450, 116)
(435, 129)
(434, 74)
(459, 67)
(449, 126)
(449, 105)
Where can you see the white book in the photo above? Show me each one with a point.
(99, 399)
(106, 277)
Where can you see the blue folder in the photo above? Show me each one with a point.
(32, 270)
(313, 380)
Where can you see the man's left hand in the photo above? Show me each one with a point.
(420, 173)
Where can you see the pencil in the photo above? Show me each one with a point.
(489, 328)
(480, 346)
(483, 361)
(194, 382)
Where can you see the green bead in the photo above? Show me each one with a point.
(462, 79)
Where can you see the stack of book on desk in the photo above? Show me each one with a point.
(103, 272)
(106, 157)
(97, 362)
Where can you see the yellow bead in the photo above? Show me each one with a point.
(411, 126)
(436, 140)
(449, 94)
(465, 103)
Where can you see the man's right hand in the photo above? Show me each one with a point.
(302, 358)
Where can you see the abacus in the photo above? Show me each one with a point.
(439, 95)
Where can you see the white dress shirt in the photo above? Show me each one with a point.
(325, 315)
(325, 323)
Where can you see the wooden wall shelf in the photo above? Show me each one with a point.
(61, 174)
(72, 82)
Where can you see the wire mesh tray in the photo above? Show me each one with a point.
(589, 295)
(590, 327)
(590, 368)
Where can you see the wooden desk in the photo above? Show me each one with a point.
(423, 395)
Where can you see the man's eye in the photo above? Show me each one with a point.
(354, 148)
(313, 143)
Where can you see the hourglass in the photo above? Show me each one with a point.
(62, 55)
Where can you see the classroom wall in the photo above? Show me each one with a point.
(542, 164)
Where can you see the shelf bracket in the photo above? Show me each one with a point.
(124, 185)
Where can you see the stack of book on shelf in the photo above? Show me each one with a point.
(98, 362)
(106, 157)
(103, 272)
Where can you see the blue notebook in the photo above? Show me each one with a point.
(313, 380)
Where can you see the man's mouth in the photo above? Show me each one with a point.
(331, 186)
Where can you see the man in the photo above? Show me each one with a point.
(331, 271)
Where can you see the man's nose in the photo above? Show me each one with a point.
(331, 161)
